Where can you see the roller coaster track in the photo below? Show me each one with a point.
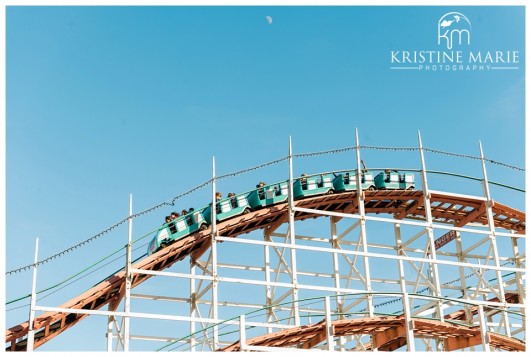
(453, 209)
(387, 332)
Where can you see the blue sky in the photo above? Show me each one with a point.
(102, 102)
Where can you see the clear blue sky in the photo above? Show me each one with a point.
(102, 102)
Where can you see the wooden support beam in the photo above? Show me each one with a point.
(47, 330)
(506, 343)
(412, 206)
(453, 343)
(113, 304)
(386, 336)
(471, 216)
(393, 345)
(198, 252)
(274, 225)
(315, 340)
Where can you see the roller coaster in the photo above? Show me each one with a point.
(384, 292)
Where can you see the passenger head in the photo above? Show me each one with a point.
(184, 212)
(174, 215)
(218, 196)
(191, 209)
(168, 219)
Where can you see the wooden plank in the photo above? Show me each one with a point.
(471, 217)
(393, 345)
(410, 208)
(506, 343)
(388, 335)
(458, 342)
(314, 341)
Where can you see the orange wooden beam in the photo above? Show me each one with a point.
(315, 340)
(471, 216)
(386, 336)
(458, 342)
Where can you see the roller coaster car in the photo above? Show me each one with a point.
(393, 180)
(312, 185)
(347, 181)
(268, 195)
(228, 207)
(177, 229)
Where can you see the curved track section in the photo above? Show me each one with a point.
(387, 333)
(453, 209)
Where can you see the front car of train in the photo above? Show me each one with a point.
(163, 235)
(181, 227)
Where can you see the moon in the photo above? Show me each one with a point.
(269, 19)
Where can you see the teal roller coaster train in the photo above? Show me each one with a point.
(305, 186)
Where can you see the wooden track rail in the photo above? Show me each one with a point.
(455, 210)
(388, 334)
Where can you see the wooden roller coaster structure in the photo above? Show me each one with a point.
(455, 210)
(450, 326)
